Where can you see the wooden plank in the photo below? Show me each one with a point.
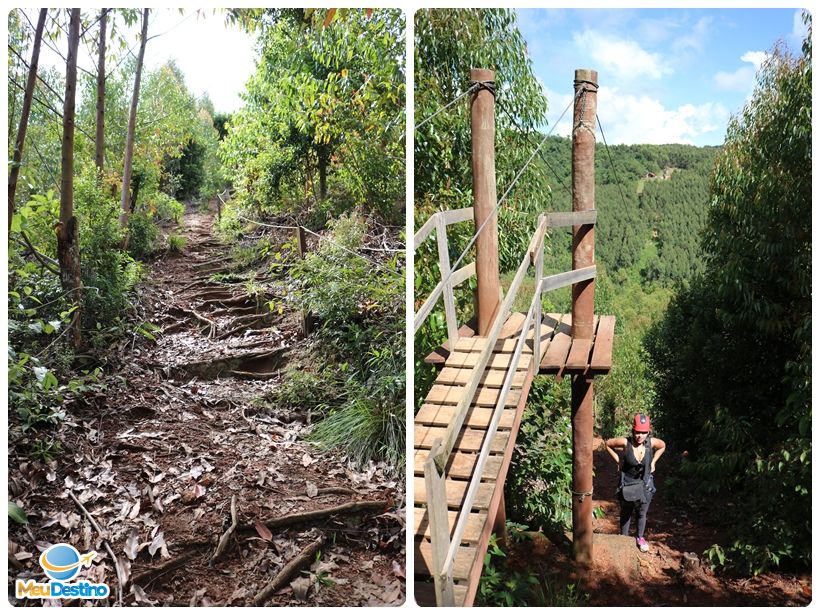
(602, 350)
(498, 493)
(440, 354)
(469, 440)
(425, 230)
(497, 361)
(462, 275)
(459, 465)
(578, 357)
(478, 417)
(475, 523)
(454, 216)
(436, 522)
(455, 490)
(454, 395)
(559, 280)
(423, 559)
(493, 378)
(571, 218)
(556, 355)
(444, 268)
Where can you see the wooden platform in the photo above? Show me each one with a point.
(557, 357)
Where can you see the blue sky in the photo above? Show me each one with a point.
(665, 75)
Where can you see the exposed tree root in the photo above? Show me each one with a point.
(267, 360)
(211, 324)
(290, 570)
(223, 542)
(246, 324)
(251, 309)
(312, 515)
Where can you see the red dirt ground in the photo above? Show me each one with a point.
(623, 576)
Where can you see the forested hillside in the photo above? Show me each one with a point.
(206, 311)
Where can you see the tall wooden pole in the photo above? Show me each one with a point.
(583, 293)
(482, 117)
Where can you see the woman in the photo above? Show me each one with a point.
(641, 453)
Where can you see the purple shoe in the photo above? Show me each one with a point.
(642, 544)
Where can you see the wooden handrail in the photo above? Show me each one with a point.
(475, 377)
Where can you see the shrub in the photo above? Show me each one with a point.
(142, 234)
(176, 243)
(538, 488)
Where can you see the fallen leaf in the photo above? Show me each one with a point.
(312, 489)
(398, 569)
(131, 548)
(157, 543)
(141, 596)
(196, 471)
(123, 571)
(263, 531)
(300, 588)
(135, 511)
(307, 460)
(157, 478)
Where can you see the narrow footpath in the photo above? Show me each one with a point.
(205, 492)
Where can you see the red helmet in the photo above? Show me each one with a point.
(641, 423)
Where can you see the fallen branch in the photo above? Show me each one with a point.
(312, 515)
(120, 580)
(254, 375)
(152, 574)
(290, 570)
(213, 261)
(223, 542)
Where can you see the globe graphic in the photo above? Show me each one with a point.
(61, 555)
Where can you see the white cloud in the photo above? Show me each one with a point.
(743, 79)
(624, 58)
(629, 119)
(694, 41)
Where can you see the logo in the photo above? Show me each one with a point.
(62, 563)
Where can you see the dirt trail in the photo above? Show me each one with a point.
(623, 576)
(179, 431)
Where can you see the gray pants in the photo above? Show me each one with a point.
(628, 509)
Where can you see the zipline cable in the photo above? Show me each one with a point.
(449, 104)
(612, 166)
(541, 155)
(454, 267)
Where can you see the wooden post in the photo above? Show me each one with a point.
(583, 255)
(307, 317)
(439, 527)
(482, 117)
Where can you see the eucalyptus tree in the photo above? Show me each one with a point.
(31, 81)
(68, 239)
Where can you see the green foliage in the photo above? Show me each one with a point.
(321, 127)
(176, 243)
(732, 358)
(503, 586)
(538, 487)
(17, 514)
(360, 313)
(142, 233)
(514, 582)
(164, 207)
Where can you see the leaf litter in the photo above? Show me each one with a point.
(156, 458)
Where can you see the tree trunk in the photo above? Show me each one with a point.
(27, 98)
(125, 204)
(68, 246)
(99, 158)
(324, 157)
